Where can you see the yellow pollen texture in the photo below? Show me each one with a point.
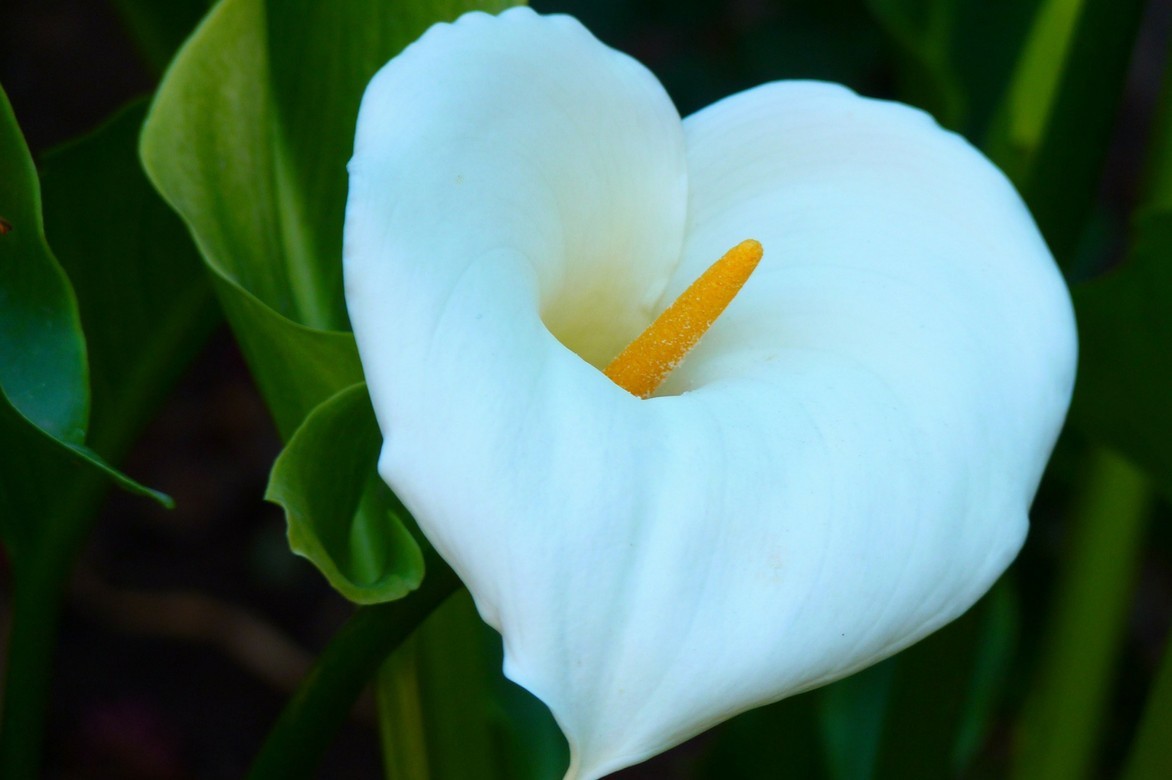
(645, 363)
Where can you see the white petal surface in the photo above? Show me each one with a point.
(843, 464)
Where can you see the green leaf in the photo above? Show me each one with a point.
(296, 367)
(43, 369)
(146, 308)
(248, 140)
(146, 304)
(1125, 372)
(341, 516)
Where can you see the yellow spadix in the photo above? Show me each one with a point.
(645, 363)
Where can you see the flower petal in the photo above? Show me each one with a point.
(524, 135)
(863, 430)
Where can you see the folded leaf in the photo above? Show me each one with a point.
(340, 514)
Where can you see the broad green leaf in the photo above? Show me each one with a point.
(159, 26)
(340, 514)
(248, 140)
(211, 147)
(296, 367)
(145, 307)
(43, 484)
(43, 370)
(146, 304)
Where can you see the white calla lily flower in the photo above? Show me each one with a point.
(841, 466)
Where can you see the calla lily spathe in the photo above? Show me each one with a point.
(843, 464)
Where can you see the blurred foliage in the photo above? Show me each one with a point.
(955, 57)
(44, 372)
(134, 283)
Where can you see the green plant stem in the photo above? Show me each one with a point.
(1063, 179)
(39, 573)
(303, 733)
(35, 607)
(1058, 733)
(1157, 172)
(1151, 756)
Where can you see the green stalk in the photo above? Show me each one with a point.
(1052, 129)
(40, 570)
(303, 733)
(437, 706)
(1151, 756)
(36, 606)
(1058, 734)
(1157, 185)
(401, 717)
(1064, 174)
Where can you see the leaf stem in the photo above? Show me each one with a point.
(1065, 171)
(303, 733)
(1150, 757)
(37, 585)
(1059, 731)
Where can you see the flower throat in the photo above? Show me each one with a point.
(646, 362)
